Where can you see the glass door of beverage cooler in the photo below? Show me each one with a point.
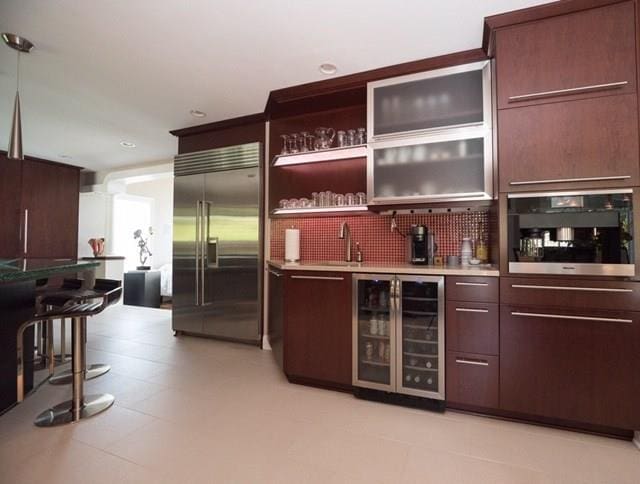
(420, 333)
(374, 346)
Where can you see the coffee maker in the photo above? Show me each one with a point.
(422, 246)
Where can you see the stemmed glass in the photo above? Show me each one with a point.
(285, 144)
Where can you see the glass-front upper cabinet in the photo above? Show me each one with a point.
(434, 100)
(444, 167)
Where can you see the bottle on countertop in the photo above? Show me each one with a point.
(466, 251)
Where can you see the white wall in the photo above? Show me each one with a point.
(94, 221)
(161, 192)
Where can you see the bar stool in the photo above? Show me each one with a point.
(58, 296)
(60, 299)
(80, 406)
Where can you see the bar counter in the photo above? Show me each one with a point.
(17, 304)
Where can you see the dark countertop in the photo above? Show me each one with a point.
(12, 270)
(105, 257)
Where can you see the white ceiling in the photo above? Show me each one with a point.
(108, 71)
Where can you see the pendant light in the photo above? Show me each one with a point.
(15, 141)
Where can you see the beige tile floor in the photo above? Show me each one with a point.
(191, 410)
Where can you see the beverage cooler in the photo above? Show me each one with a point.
(398, 336)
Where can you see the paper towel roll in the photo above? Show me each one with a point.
(292, 245)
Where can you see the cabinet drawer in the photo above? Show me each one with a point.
(472, 379)
(473, 327)
(574, 365)
(480, 289)
(589, 143)
(588, 53)
(570, 293)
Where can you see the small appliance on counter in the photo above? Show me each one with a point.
(422, 246)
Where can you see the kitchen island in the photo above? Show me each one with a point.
(17, 304)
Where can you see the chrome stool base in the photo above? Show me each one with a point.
(62, 413)
(93, 371)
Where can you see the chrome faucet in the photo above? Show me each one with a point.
(345, 233)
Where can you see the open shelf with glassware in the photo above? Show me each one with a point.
(319, 156)
(307, 155)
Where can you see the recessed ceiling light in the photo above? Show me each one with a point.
(127, 144)
(66, 157)
(328, 68)
(197, 114)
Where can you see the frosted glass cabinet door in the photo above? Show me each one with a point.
(438, 99)
(431, 168)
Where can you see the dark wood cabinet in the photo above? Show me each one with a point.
(472, 288)
(574, 365)
(473, 342)
(10, 213)
(472, 380)
(38, 208)
(568, 53)
(570, 293)
(473, 327)
(275, 313)
(51, 196)
(317, 327)
(590, 143)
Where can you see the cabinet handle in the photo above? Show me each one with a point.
(26, 230)
(565, 316)
(319, 278)
(464, 361)
(568, 91)
(472, 283)
(570, 180)
(563, 288)
(470, 310)
(277, 274)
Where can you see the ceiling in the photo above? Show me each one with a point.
(122, 70)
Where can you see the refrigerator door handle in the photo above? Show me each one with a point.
(198, 216)
(204, 236)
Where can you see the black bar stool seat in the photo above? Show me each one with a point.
(60, 299)
(80, 406)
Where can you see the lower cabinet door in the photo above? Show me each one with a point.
(578, 366)
(317, 326)
(472, 379)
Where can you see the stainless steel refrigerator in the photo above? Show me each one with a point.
(217, 247)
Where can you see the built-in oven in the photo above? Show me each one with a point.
(577, 232)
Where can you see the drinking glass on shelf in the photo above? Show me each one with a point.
(310, 142)
(285, 144)
(294, 203)
(340, 201)
(361, 198)
(351, 137)
(303, 141)
(350, 199)
(293, 147)
(284, 203)
(315, 199)
(322, 198)
(341, 138)
(330, 198)
(361, 136)
(304, 202)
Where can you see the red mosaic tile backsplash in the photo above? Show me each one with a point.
(319, 236)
